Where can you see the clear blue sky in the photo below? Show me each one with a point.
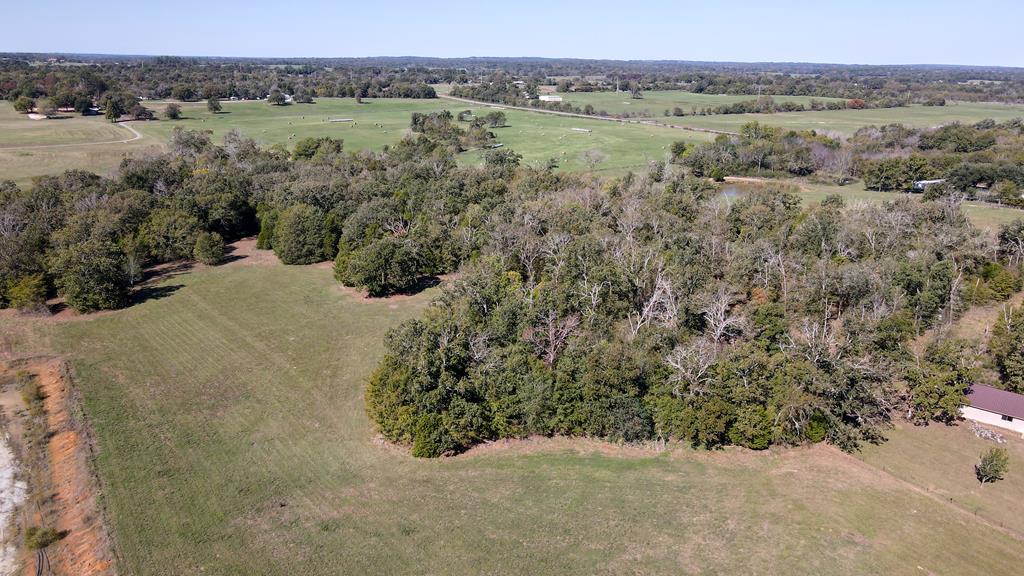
(986, 32)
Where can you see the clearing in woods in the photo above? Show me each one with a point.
(228, 409)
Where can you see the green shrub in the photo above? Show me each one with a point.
(299, 235)
(993, 465)
(384, 267)
(37, 538)
(24, 104)
(91, 275)
(209, 248)
(387, 401)
(268, 219)
(752, 428)
(170, 234)
(31, 393)
(431, 438)
(28, 293)
(816, 429)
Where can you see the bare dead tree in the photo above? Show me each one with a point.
(659, 308)
(816, 342)
(551, 335)
(1014, 248)
(397, 226)
(630, 217)
(691, 364)
(553, 247)
(591, 293)
(718, 316)
(841, 165)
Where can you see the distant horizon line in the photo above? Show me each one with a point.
(547, 58)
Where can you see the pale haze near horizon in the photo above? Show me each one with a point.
(983, 32)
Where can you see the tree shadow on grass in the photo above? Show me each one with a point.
(422, 284)
(164, 271)
(229, 258)
(230, 255)
(147, 293)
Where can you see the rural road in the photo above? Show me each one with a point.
(585, 116)
(135, 136)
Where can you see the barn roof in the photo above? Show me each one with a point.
(995, 400)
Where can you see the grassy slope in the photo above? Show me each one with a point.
(941, 459)
(655, 102)
(848, 121)
(233, 440)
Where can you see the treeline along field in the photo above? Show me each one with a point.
(636, 308)
(232, 438)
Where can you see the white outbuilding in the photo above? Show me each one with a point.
(995, 407)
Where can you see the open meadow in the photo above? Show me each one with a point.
(849, 121)
(655, 102)
(232, 439)
(376, 123)
(35, 147)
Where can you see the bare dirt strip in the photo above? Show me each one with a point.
(66, 482)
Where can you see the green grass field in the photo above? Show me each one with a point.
(376, 123)
(232, 440)
(947, 471)
(537, 137)
(655, 102)
(849, 121)
(34, 147)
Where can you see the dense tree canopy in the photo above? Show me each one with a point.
(632, 308)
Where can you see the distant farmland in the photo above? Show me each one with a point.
(654, 103)
(83, 143)
(849, 121)
(34, 147)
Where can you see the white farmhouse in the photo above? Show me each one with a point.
(995, 407)
(550, 98)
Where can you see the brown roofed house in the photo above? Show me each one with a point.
(995, 407)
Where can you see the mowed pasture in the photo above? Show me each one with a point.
(232, 439)
(655, 102)
(846, 122)
(940, 459)
(375, 124)
(34, 147)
